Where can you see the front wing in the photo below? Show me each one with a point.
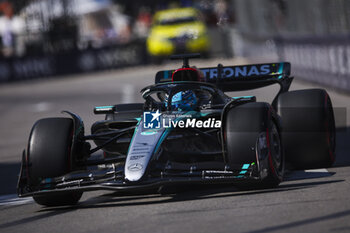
(110, 177)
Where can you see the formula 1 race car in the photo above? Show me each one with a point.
(186, 131)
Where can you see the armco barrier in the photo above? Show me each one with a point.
(77, 61)
(322, 60)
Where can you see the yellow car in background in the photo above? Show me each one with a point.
(178, 30)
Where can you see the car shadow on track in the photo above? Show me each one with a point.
(185, 194)
(32, 218)
(111, 200)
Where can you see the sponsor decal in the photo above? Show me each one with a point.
(136, 157)
(135, 167)
(238, 71)
(234, 72)
(5, 72)
(155, 120)
(87, 61)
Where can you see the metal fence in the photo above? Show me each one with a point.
(293, 17)
(314, 35)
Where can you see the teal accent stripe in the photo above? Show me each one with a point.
(280, 69)
(47, 181)
(246, 97)
(204, 114)
(243, 172)
(245, 166)
(104, 107)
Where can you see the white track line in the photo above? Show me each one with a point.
(13, 199)
(320, 170)
(308, 174)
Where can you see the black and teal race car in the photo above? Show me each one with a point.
(186, 131)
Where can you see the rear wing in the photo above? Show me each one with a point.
(238, 78)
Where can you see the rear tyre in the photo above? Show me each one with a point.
(251, 135)
(308, 128)
(49, 155)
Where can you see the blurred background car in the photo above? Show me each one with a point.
(178, 30)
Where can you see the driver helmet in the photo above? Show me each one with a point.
(184, 101)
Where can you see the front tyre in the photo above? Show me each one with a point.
(271, 147)
(49, 155)
(252, 135)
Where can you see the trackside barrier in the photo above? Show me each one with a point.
(322, 60)
(73, 62)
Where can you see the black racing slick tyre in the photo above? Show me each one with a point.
(252, 135)
(308, 128)
(49, 155)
